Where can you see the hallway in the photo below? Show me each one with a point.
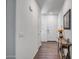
(48, 50)
(30, 22)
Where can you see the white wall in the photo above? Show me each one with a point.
(43, 28)
(49, 22)
(67, 5)
(67, 33)
(10, 28)
(27, 33)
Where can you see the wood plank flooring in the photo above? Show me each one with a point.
(48, 50)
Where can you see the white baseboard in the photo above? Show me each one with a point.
(36, 50)
(10, 57)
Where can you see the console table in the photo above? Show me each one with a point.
(64, 44)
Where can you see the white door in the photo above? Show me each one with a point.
(43, 28)
(49, 27)
(52, 28)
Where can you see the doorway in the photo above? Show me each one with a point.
(49, 27)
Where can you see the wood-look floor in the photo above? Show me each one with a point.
(48, 50)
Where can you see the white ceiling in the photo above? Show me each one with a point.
(52, 6)
(41, 2)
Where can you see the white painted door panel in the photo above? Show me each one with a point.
(52, 28)
(49, 27)
(43, 28)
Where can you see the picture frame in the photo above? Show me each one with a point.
(67, 20)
